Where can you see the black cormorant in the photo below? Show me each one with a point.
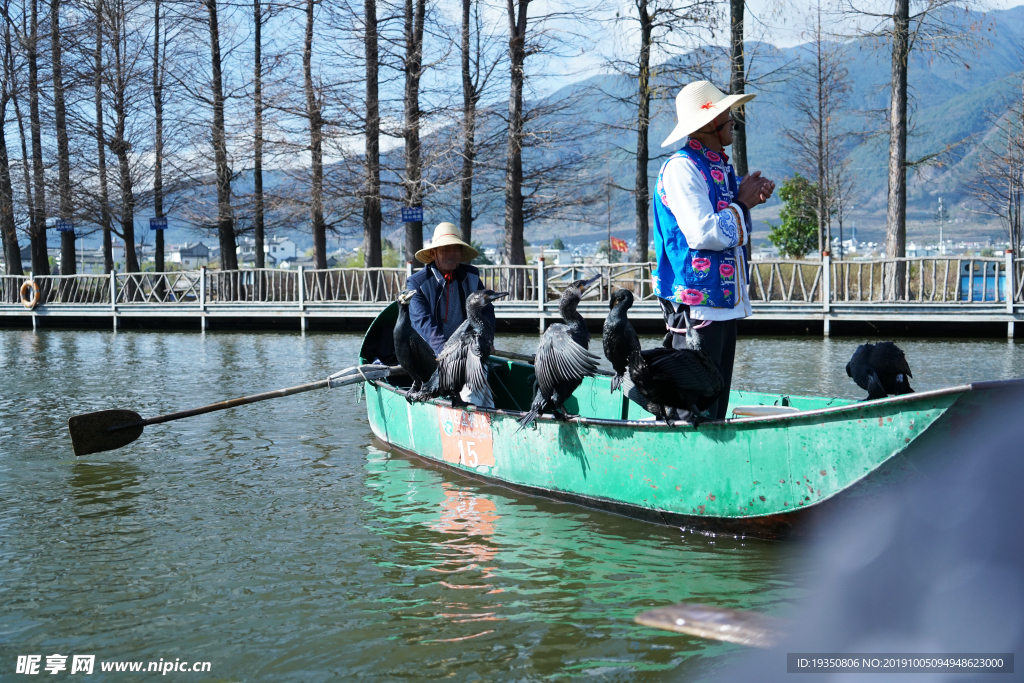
(413, 352)
(463, 359)
(880, 369)
(680, 383)
(563, 358)
(619, 337)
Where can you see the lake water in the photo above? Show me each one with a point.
(278, 543)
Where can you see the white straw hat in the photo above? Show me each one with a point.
(446, 234)
(697, 105)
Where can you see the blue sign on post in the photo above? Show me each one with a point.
(412, 214)
(158, 223)
(65, 225)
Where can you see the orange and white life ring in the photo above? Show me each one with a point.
(27, 301)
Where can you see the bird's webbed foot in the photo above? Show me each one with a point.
(693, 416)
(457, 401)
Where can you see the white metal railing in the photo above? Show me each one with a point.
(965, 281)
(177, 287)
(922, 280)
(785, 281)
(353, 284)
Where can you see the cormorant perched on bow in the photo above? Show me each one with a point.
(462, 362)
(413, 352)
(684, 382)
(880, 369)
(619, 337)
(563, 358)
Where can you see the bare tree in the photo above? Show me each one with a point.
(942, 28)
(662, 27)
(478, 64)
(8, 231)
(998, 185)
(257, 172)
(372, 217)
(225, 218)
(101, 144)
(415, 13)
(37, 229)
(314, 113)
(125, 73)
(737, 84)
(816, 130)
(158, 135)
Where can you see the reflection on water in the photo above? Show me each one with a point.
(277, 542)
(104, 488)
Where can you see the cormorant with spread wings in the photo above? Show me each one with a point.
(462, 363)
(563, 357)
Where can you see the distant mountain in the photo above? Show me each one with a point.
(950, 101)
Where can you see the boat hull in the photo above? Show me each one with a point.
(757, 477)
(765, 477)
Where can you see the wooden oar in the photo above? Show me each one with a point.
(107, 430)
(531, 359)
(717, 623)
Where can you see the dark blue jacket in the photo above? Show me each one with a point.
(425, 308)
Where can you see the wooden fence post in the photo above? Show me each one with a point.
(542, 291)
(302, 300)
(826, 291)
(113, 297)
(1011, 291)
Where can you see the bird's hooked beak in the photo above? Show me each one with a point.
(495, 296)
(406, 296)
(586, 285)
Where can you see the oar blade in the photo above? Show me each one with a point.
(716, 623)
(91, 433)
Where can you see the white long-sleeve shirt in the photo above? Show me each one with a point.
(688, 198)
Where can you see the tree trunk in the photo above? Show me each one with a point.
(158, 147)
(469, 101)
(12, 250)
(257, 172)
(515, 254)
(37, 212)
(643, 122)
(415, 11)
(822, 140)
(67, 239)
(737, 85)
(316, 203)
(121, 147)
(101, 144)
(225, 221)
(371, 193)
(23, 139)
(896, 217)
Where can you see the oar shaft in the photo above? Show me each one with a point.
(255, 398)
(231, 403)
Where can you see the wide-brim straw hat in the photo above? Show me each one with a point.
(446, 234)
(697, 105)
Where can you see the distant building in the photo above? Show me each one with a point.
(552, 257)
(306, 262)
(190, 256)
(275, 249)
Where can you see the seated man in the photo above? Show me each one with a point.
(439, 306)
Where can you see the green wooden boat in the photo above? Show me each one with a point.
(765, 477)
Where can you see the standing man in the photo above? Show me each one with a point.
(439, 306)
(701, 226)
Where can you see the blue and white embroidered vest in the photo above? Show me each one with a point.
(697, 277)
